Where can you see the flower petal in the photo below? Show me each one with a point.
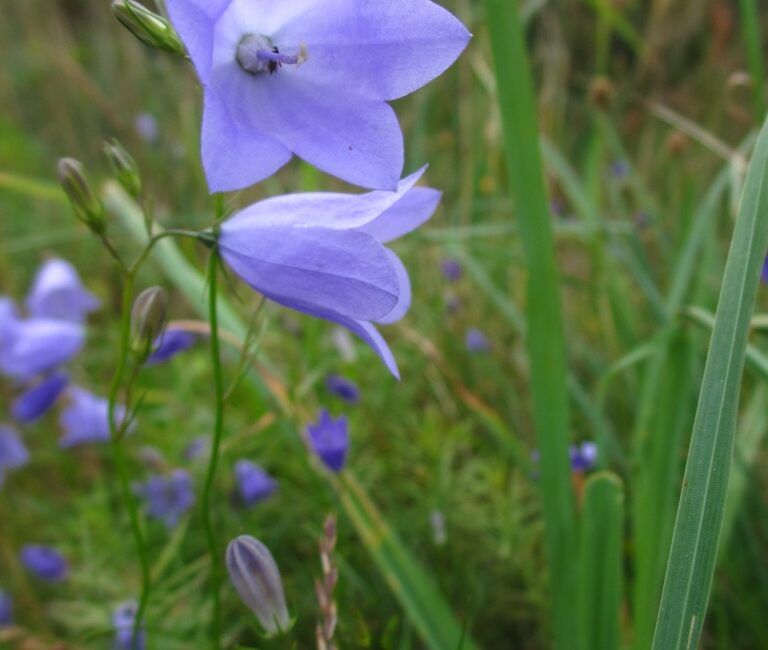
(326, 209)
(39, 345)
(37, 400)
(58, 292)
(384, 49)
(346, 271)
(404, 302)
(236, 157)
(415, 208)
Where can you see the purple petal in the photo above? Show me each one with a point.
(254, 484)
(13, 453)
(6, 609)
(86, 419)
(44, 562)
(37, 400)
(234, 156)
(40, 345)
(329, 439)
(346, 271)
(9, 320)
(58, 293)
(404, 301)
(169, 344)
(383, 50)
(411, 211)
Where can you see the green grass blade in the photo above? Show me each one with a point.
(546, 344)
(750, 21)
(692, 557)
(601, 562)
(412, 585)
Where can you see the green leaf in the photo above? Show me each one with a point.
(692, 557)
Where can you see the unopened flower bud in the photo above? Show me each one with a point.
(148, 319)
(149, 27)
(256, 578)
(75, 185)
(124, 167)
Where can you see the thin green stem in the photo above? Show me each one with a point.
(218, 429)
(116, 434)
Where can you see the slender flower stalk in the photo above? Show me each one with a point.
(218, 385)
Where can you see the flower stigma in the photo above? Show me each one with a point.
(256, 55)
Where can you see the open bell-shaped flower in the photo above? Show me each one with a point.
(323, 254)
(36, 345)
(58, 293)
(311, 78)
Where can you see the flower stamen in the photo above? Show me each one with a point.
(256, 55)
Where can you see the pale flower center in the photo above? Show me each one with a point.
(256, 55)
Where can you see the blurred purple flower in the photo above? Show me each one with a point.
(583, 457)
(323, 254)
(254, 484)
(6, 609)
(619, 169)
(34, 346)
(123, 620)
(310, 78)
(764, 272)
(196, 448)
(167, 498)
(9, 319)
(329, 439)
(342, 388)
(37, 399)
(452, 269)
(57, 293)
(170, 343)
(44, 562)
(13, 453)
(86, 419)
(146, 127)
(476, 341)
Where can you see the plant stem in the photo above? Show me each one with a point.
(218, 385)
(116, 431)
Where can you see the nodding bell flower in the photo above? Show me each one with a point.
(310, 78)
(324, 254)
(124, 621)
(149, 27)
(58, 293)
(44, 562)
(86, 419)
(37, 399)
(254, 484)
(78, 190)
(148, 318)
(255, 576)
(329, 439)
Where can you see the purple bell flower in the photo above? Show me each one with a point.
(57, 293)
(323, 254)
(583, 457)
(310, 78)
(170, 343)
(476, 341)
(123, 620)
(452, 269)
(86, 419)
(764, 271)
(13, 453)
(36, 400)
(44, 562)
(329, 439)
(6, 609)
(254, 484)
(37, 345)
(167, 498)
(342, 388)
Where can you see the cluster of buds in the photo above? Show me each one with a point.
(324, 587)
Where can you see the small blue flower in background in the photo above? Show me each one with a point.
(86, 419)
(34, 346)
(329, 439)
(36, 400)
(584, 456)
(619, 169)
(311, 79)
(13, 453)
(123, 620)
(476, 341)
(197, 448)
(57, 293)
(322, 254)
(452, 269)
(170, 343)
(6, 609)
(167, 498)
(764, 272)
(146, 127)
(342, 388)
(44, 562)
(253, 483)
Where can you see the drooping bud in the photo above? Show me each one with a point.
(255, 575)
(124, 168)
(75, 184)
(149, 27)
(148, 318)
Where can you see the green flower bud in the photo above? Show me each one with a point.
(148, 318)
(124, 168)
(149, 27)
(87, 207)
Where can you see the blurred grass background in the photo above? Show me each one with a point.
(641, 105)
